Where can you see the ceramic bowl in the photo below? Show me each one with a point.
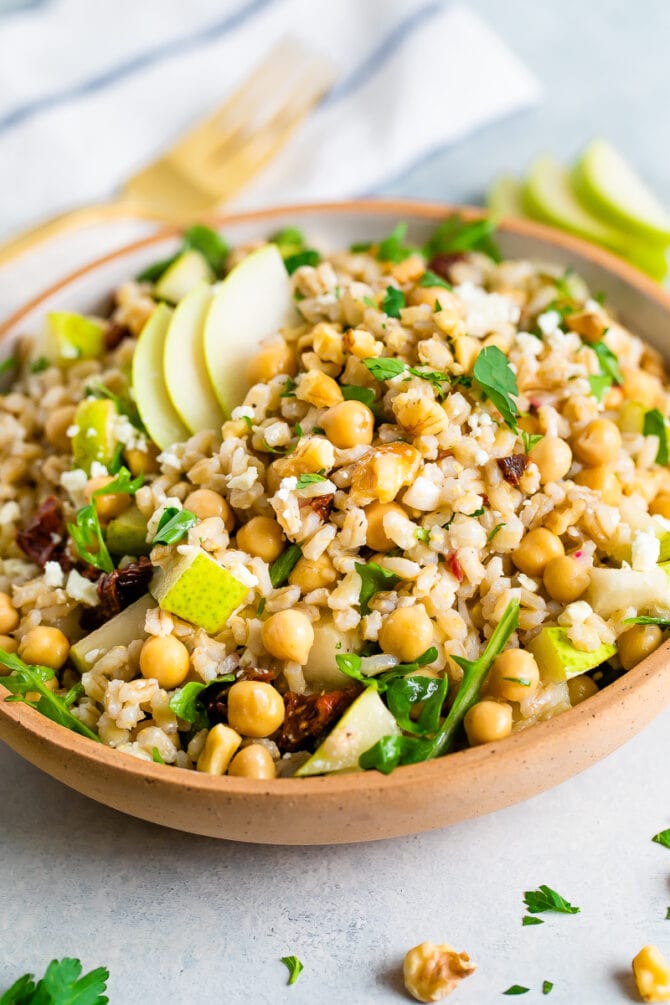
(362, 806)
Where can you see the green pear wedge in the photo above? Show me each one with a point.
(253, 302)
(184, 366)
(157, 412)
(505, 197)
(189, 269)
(365, 722)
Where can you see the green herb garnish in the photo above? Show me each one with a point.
(294, 966)
(644, 619)
(496, 379)
(62, 984)
(529, 440)
(156, 756)
(351, 392)
(350, 664)
(374, 579)
(654, 425)
(283, 566)
(174, 525)
(609, 362)
(369, 302)
(545, 899)
(546, 987)
(360, 247)
(529, 919)
(208, 242)
(39, 365)
(86, 532)
(186, 702)
(289, 240)
(422, 534)
(25, 680)
(516, 989)
(124, 404)
(386, 368)
(430, 278)
(496, 530)
(392, 249)
(393, 302)
(405, 692)
(311, 478)
(307, 257)
(122, 484)
(8, 364)
(663, 837)
(455, 234)
(599, 383)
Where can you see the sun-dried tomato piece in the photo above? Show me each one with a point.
(441, 264)
(455, 566)
(117, 590)
(255, 673)
(215, 697)
(308, 716)
(513, 467)
(43, 539)
(322, 505)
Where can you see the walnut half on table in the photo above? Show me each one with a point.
(432, 972)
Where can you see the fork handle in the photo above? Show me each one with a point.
(31, 238)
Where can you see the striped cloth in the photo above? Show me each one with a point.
(91, 91)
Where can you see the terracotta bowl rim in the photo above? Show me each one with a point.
(515, 747)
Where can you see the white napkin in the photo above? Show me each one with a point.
(90, 92)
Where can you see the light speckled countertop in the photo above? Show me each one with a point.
(191, 920)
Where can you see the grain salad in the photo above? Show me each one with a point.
(288, 512)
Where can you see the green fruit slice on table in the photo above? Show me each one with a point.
(609, 186)
(94, 438)
(189, 269)
(184, 365)
(505, 197)
(199, 590)
(160, 418)
(253, 302)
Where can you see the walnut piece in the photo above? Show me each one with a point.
(432, 972)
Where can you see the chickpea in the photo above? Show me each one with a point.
(45, 646)
(10, 645)
(536, 550)
(661, 505)
(206, 503)
(288, 635)
(106, 506)
(514, 675)
(253, 761)
(349, 424)
(601, 480)
(274, 358)
(377, 538)
(220, 745)
(488, 721)
(312, 575)
(165, 659)
(598, 443)
(642, 387)
(565, 579)
(9, 616)
(553, 458)
(142, 462)
(428, 295)
(406, 633)
(262, 537)
(57, 425)
(580, 688)
(255, 708)
(638, 642)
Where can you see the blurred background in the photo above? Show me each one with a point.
(430, 98)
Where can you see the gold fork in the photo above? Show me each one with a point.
(216, 158)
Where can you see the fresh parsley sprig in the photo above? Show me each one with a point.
(200, 238)
(374, 578)
(25, 680)
(186, 703)
(62, 984)
(387, 368)
(495, 377)
(86, 532)
(294, 967)
(393, 248)
(663, 838)
(545, 899)
(456, 235)
(430, 278)
(655, 425)
(174, 525)
(310, 478)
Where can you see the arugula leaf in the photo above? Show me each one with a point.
(374, 579)
(392, 751)
(496, 530)
(39, 365)
(384, 368)
(294, 966)
(497, 380)
(25, 680)
(392, 249)
(311, 478)
(643, 619)
(546, 899)
(156, 756)
(350, 664)
(654, 425)
(307, 257)
(405, 692)
(516, 989)
(124, 405)
(609, 362)
(200, 238)
(288, 392)
(8, 364)
(599, 384)
(88, 539)
(62, 984)
(546, 987)
(351, 392)
(174, 525)
(289, 240)
(359, 247)
(531, 920)
(456, 234)
(153, 272)
(186, 704)
(663, 837)
(123, 484)
(283, 566)
(430, 278)
(529, 440)
(393, 302)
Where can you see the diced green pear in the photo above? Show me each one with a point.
(120, 630)
(72, 336)
(199, 590)
(664, 553)
(94, 439)
(253, 302)
(160, 418)
(184, 365)
(631, 417)
(127, 533)
(559, 660)
(321, 669)
(505, 197)
(189, 269)
(609, 186)
(365, 722)
(666, 568)
(613, 590)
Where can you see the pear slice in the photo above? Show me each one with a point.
(94, 439)
(127, 533)
(559, 660)
(157, 412)
(365, 722)
(505, 197)
(189, 269)
(184, 366)
(120, 630)
(609, 186)
(253, 302)
(548, 195)
(199, 590)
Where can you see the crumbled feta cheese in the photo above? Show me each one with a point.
(486, 312)
(423, 495)
(242, 412)
(645, 551)
(98, 470)
(170, 459)
(81, 589)
(10, 512)
(549, 323)
(124, 432)
(481, 457)
(53, 575)
(286, 486)
(74, 483)
(245, 480)
(529, 344)
(72, 431)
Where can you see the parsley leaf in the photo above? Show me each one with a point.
(546, 899)
(599, 384)
(663, 837)
(123, 484)
(39, 365)
(531, 920)
(294, 966)
(307, 257)
(310, 479)
(351, 392)
(546, 987)
(384, 368)
(186, 703)
(8, 364)
(283, 566)
(174, 525)
(430, 278)
(156, 756)
(456, 234)
(62, 984)
(654, 425)
(529, 440)
(609, 362)
(497, 380)
(374, 579)
(27, 680)
(496, 530)
(359, 247)
(88, 539)
(516, 989)
(289, 389)
(393, 302)
(392, 249)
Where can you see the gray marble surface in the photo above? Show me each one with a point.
(185, 919)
